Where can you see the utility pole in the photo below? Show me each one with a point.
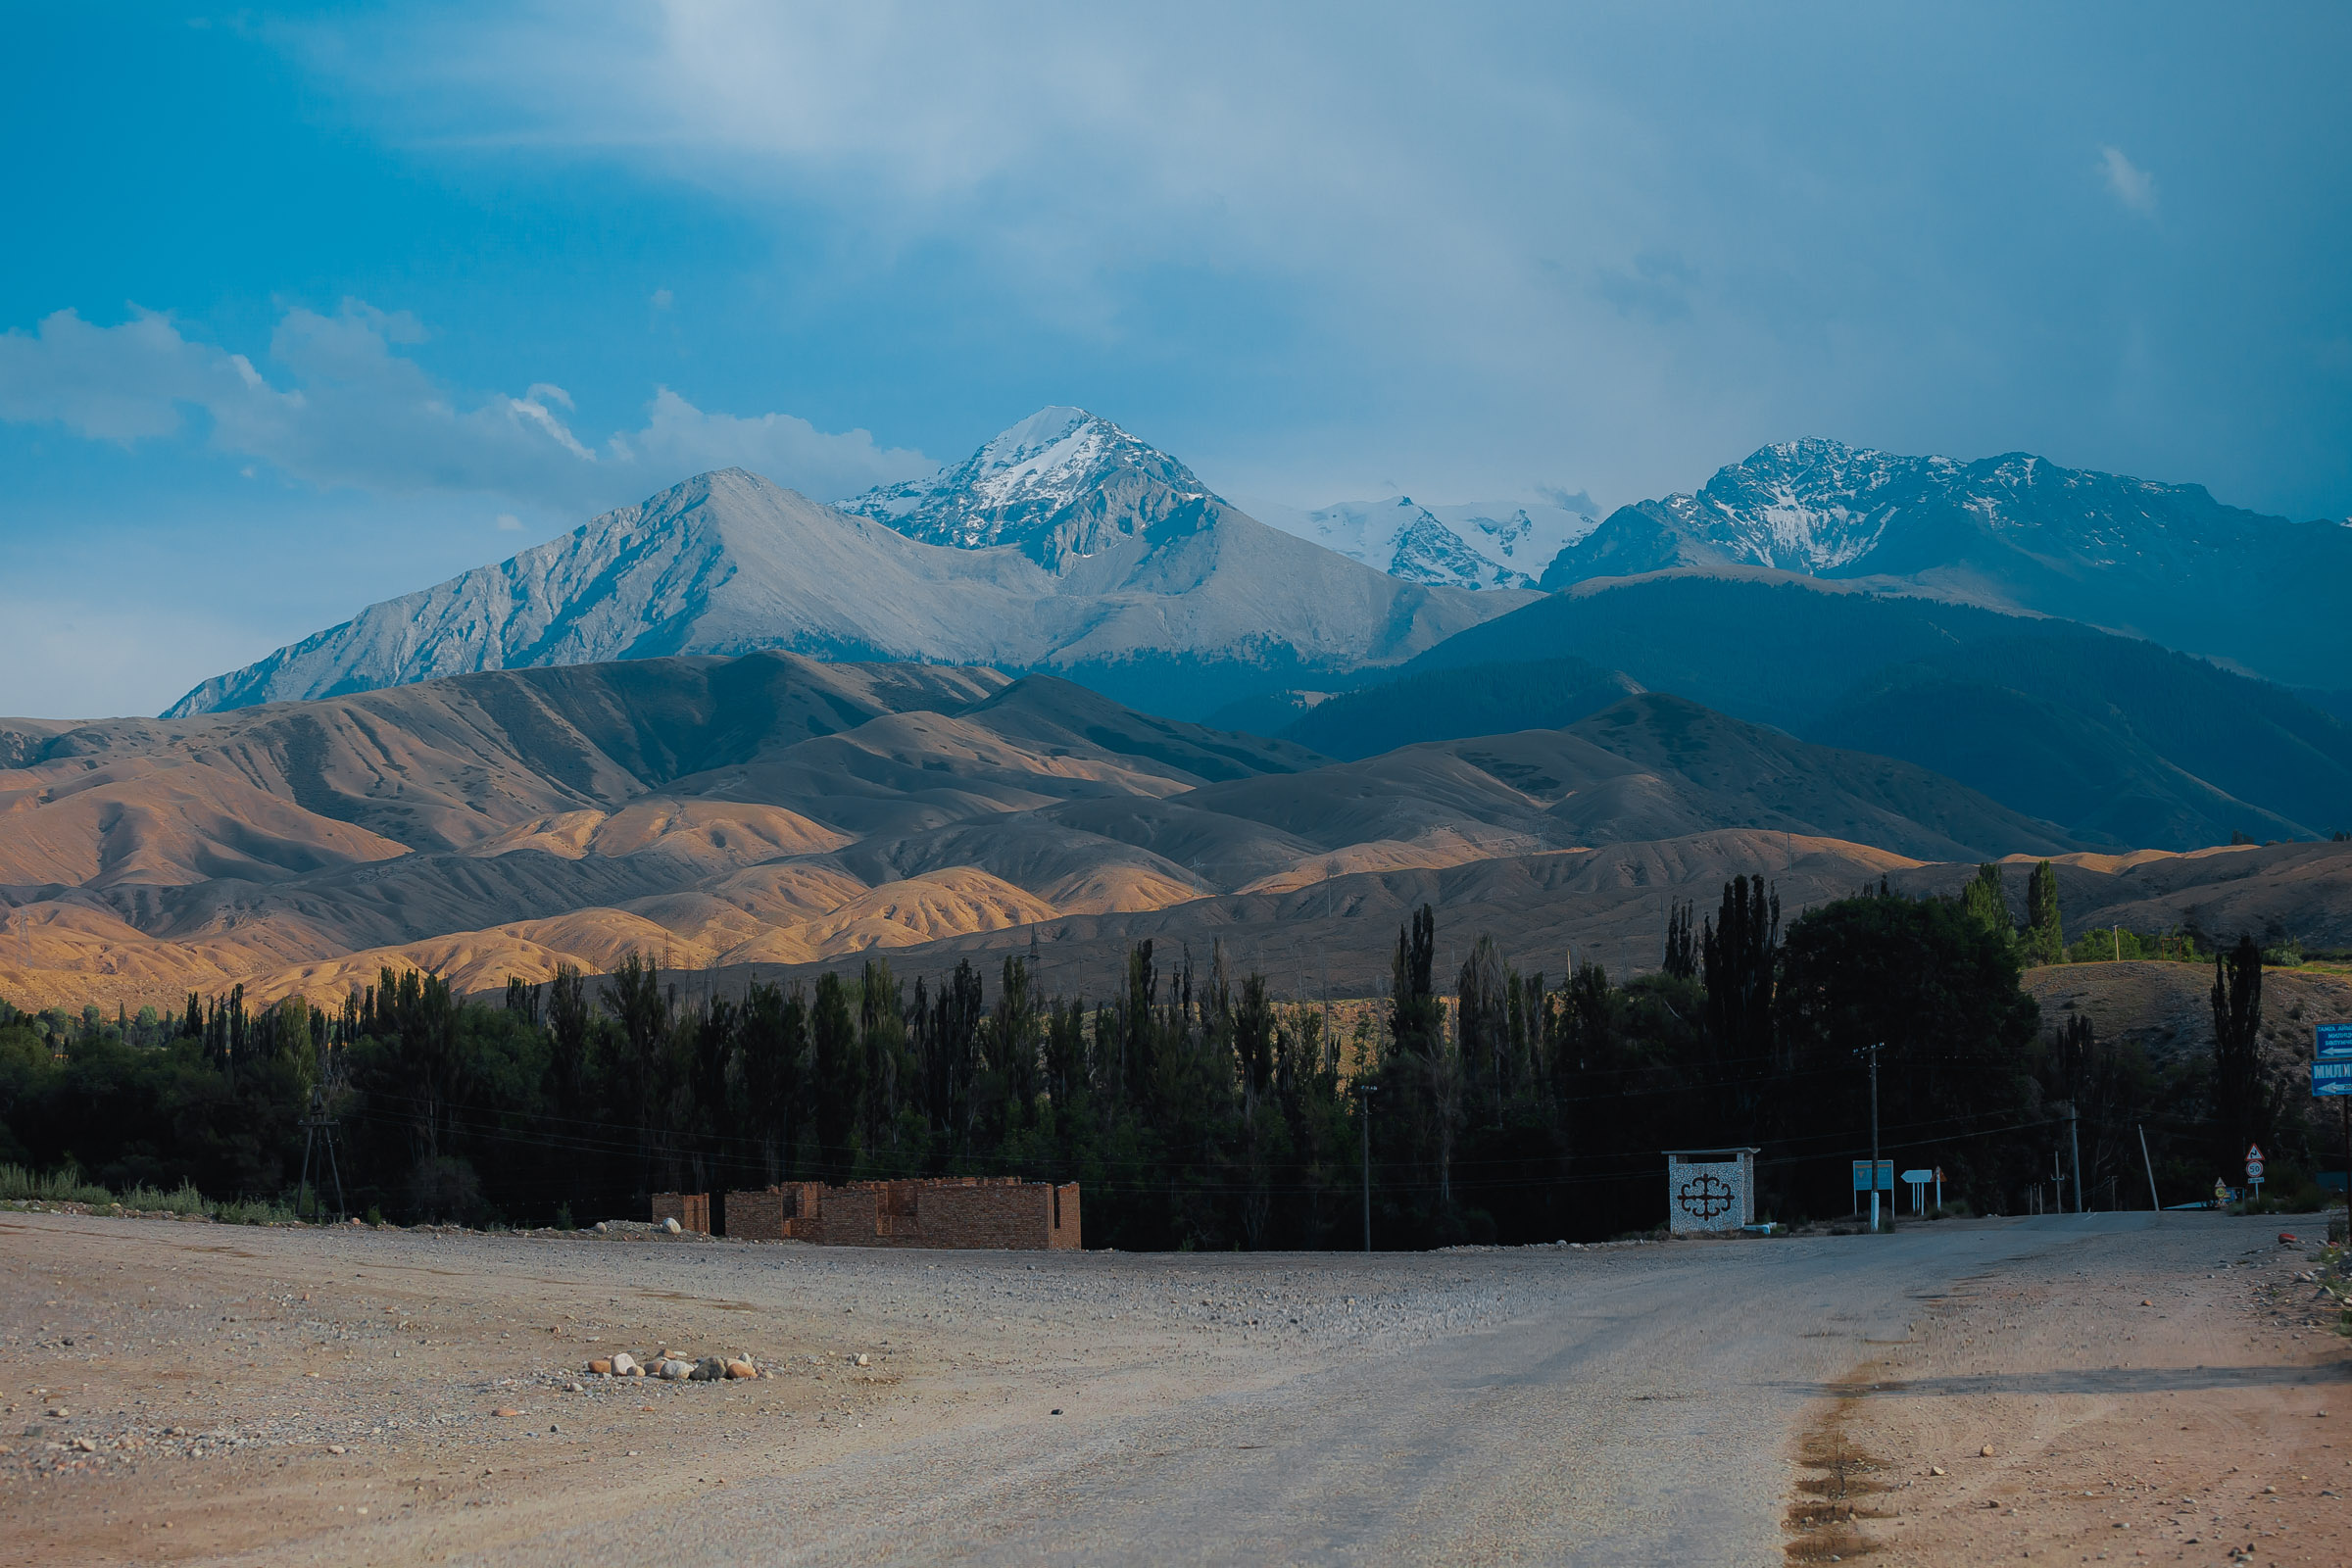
(2074, 1141)
(316, 1126)
(1873, 1132)
(1363, 1099)
(2153, 1201)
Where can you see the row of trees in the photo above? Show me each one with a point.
(1197, 1109)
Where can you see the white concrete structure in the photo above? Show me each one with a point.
(1710, 1190)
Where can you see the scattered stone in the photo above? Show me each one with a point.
(742, 1367)
(710, 1369)
(85, 1446)
(674, 1369)
(862, 1361)
(336, 1447)
(624, 1365)
(1934, 1469)
(506, 1409)
(601, 1366)
(575, 1388)
(1058, 1409)
(672, 1226)
(58, 1412)
(1985, 1452)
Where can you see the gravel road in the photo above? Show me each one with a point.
(1622, 1404)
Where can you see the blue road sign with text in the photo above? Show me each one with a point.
(2331, 1078)
(1886, 1175)
(2334, 1041)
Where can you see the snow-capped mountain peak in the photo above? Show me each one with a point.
(1059, 484)
(1472, 544)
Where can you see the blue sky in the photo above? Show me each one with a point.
(302, 309)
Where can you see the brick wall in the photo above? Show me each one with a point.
(973, 1212)
(757, 1216)
(692, 1211)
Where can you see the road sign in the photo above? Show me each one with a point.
(2334, 1042)
(2331, 1078)
(1862, 1175)
(1916, 1176)
(2253, 1170)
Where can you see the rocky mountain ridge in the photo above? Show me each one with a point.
(1180, 603)
(2014, 532)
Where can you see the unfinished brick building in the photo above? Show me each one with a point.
(976, 1211)
(692, 1211)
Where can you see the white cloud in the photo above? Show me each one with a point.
(663, 298)
(2132, 185)
(356, 413)
(680, 438)
(508, 522)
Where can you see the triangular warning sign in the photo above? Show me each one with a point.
(2253, 1150)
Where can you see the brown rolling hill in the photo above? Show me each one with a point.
(773, 812)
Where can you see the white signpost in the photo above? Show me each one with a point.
(1919, 1180)
(2254, 1167)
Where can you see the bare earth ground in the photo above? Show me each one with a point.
(1703, 1403)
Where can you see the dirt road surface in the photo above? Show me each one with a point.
(189, 1392)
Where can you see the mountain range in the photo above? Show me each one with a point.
(774, 812)
(1499, 545)
(2123, 742)
(2016, 532)
(1067, 547)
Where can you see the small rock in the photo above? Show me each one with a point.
(742, 1368)
(1985, 1452)
(2266, 1489)
(862, 1361)
(674, 1369)
(2144, 1300)
(575, 1388)
(710, 1369)
(672, 1226)
(506, 1409)
(85, 1446)
(1934, 1469)
(601, 1366)
(621, 1367)
(336, 1447)
(1058, 1409)
(59, 1412)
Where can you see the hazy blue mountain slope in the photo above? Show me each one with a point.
(1441, 704)
(1766, 647)
(2120, 740)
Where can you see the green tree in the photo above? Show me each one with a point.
(2241, 1104)
(1987, 901)
(1925, 979)
(839, 1073)
(2045, 935)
